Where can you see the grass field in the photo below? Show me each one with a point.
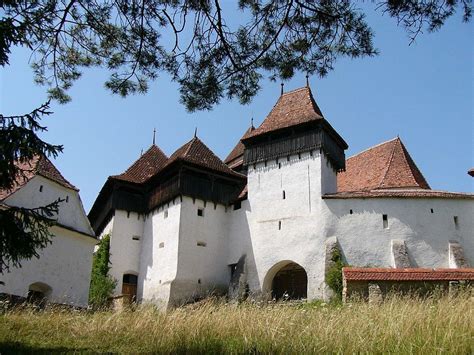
(399, 326)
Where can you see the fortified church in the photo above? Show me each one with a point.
(268, 219)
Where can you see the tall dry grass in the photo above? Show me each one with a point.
(399, 325)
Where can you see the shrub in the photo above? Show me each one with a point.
(334, 273)
(102, 285)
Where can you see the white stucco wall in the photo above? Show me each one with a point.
(159, 254)
(64, 265)
(201, 269)
(307, 221)
(364, 241)
(71, 213)
(301, 237)
(124, 250)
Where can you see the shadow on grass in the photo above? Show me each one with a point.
(20, 348)
(207, 346)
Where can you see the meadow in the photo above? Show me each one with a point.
(399, 325)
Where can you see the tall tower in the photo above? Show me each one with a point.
(292, 159)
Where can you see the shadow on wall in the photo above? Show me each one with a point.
(243, 276)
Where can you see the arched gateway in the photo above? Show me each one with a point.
(286, 280)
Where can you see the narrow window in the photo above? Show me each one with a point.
(128, 214)
(41, 188)
(385, 221)
(432, 211)
(199, 281)
(201, 244)
(279, 225)
(350, 212)
(237, 205)
(166, 214)
(161, 245)
(279, 165)
(284, 194)
(456, 222)
(233, 268)
(200, 212)
(136, 237)
(67, 199)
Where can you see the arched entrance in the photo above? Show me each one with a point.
(287, 280)
(38, 293)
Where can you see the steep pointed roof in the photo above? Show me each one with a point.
(38, 165)
(152, 161)
(238, 151)
(292, 108)
(384, 166)
(196, 152)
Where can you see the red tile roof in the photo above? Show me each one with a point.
(399, 193)
(38, 165)
(412, 274)
(196, 152)
(292, 108)
(385, 166)
(152, 161)
(238, 150)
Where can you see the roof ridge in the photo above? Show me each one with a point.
(372, 147)
(140, 157)
(294, 90)
(190, 143)
(389, 162)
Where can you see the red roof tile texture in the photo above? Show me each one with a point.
(152, 161)
(196, 152)
(385, 166)
(399, 193)
(38, 165)
(412, 274)
(292, 108)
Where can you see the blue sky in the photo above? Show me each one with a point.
(422, 92)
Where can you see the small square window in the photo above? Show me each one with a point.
(161, 245)
(385, 221)
(350, 212)
(165, 214)
(200, 212)
(237, 205)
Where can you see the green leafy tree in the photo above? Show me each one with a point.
(193, 41)
(102, 285)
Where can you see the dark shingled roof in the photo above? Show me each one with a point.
(152, 161)
(292, 108)
(238, 150)
(471, 172)
(385, 166)
(196, 152)
(410, 274)
(38, 165)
